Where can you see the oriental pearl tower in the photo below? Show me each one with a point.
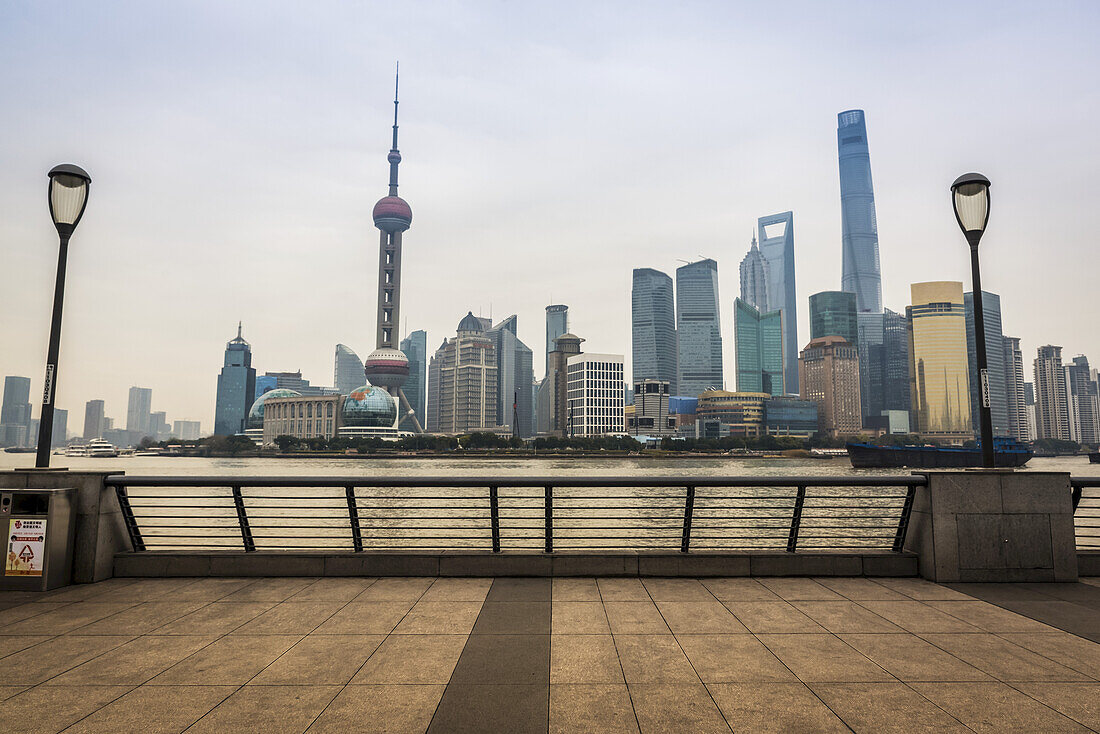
(387, 366)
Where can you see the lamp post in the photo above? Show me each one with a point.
(68, 195)
(970, 198)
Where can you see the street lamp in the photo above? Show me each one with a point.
(970, 198)
(68, 195)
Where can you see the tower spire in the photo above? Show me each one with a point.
(395, 154)
(239, 329)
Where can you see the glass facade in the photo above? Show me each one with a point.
(833, 313)
(557, 323)
(754, 278)
(859, 226)
(415, 347)
(698, 328)
(939, 373)
(15, 415)
(139, 410)
(790, 417)
(653, 327)
(895, 361)
(776, 233)
(348, 370)
(872, 356)
(995, 360)
(514, 377)
(758, 341)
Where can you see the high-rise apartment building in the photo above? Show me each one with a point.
(139, 411)
(347, 373)
(415, 347)
(833, 313)
(860, 272)
(158, 425)
(186, 430)
(758, 342)
(754, 278)
(15, 413)
(653, 327)
(939, 371)
(698, 328)
(829, 376)
(594, 384)
(236, 387)
(514, 377)
(93, 419)
(1082, 400)
(1051, 400)
(995, 360)
(557, 323)
(776, 233)
(1015, 395)
(462, 380)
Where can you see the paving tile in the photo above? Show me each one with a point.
(566, 589)
(333, 589)
(858, 589)
(699, 617)
(520, 590)
(439, 618)
(676, 707)
(579, 618)
(53, 657)
(135, 662)
(782, 708)
(988, 617)
(50, 709)
(64, 619)
(1002, 659)
(457, 590)
(141, 618)
(653, 659)
(1078, 701)
(733, 659)
(1062, 647)
(365, 618)
(910, 658)
(412, 659)
(7, 692)
(823, 658)
(13, 644)
(504, 659)
(406, 589)
(995, 707)
(374, 709)
(320, 660)
(270, 589)
(676, 590)
(208, 589)
(885, 707)
(153, 709)
(622, 590)
(516, 709)
(231, 660)
(13, 614)
(513, 618)
(1065, 615)
(635, 618)
(772, 616)
(918, 617)
(584, 659)
(845, 616)
(216, 618)
(269, 709)
(290, 618)
(922, 590)
(799, 589)
(143, 590)
(83, 592)
(738, 589)
(591, 708)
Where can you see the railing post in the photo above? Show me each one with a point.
(353, 515)
(689, 509)
(242, 519)
(903, 521)
(494, 518)
(796, 520)
(1078, 492)
(548, 507)
(128, 517)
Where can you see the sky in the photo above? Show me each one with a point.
(236, 150)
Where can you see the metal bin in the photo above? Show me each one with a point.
(38, 527)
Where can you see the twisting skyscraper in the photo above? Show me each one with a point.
(859, 226)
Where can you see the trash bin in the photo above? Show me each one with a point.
(38, 527)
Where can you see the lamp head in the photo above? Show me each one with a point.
(68, 196)
(970, 198)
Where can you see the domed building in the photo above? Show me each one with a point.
(369, 411)
(462, 379)
(254, 424)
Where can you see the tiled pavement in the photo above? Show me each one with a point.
(517, 655)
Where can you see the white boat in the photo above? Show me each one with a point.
(77, 450)
(101, 448)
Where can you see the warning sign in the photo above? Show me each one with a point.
(26, 547)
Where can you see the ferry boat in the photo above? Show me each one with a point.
(1007, 452)
(101, 448)
(77, 449)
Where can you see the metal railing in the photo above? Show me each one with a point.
(541, 514)
(1086, 511)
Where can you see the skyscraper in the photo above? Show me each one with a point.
(698, 328)
(387, 366)
(15, 413)
(553, 405)
(754, 278)
(939, 374)
(595, 394)
(776, 234)
(93, 419)
(758, 341)
(236, 387)
(830, 377)
(995, 361)
(186, 430)
(1083, 403)
(895, 361)
(1015, 394)
(833, 313)
(859, 226)
(463, 381)
(872, 356)
(139, 411)
(514, 377)
(557, 323)
(1051, 403)
(347, 371)
(60, 435)
(415, 347)
(653, 327)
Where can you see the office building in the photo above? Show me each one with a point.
(594, 390)
(776, 233)
(995, 360)
(93, 419)
(415, 348)
(895, 362)
(653, 327)
(754, 278)
(1082, 401)
(15, 413)
(60, 435)
(515, 375)
(236, 387)
(139, 410)
(290, 381)
(829, 376)
(758, 343)
(860, 272)
(833, 313)
(311, 416)
(462, 380)
(1015, 397)
(698, 328)
(1051, 400)
(347, 371)
(651, 415)
(557, 323)
(722, 414)
(553, 405)
(790, 416)
(939, 369)
(187, 430)
(158, 425)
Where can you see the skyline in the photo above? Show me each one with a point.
(493, 158)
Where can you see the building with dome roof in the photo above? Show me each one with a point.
(236, 387)
(254, 424)
(369, 412)
(462, 381)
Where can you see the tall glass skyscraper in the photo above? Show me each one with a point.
(833, 313)
(93, 419)
(557, 323)
(139, 409)
(995, 360)
(754, 278)
(415, 347)
(776, 233)
(939, 375)
(514, 377)
(15, 415)
(348, 374)
(758, 341)
(653, 327)
(859, 227)
(895, 361)
(698, 328)
(236, 388)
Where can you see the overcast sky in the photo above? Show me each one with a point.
(236, 150)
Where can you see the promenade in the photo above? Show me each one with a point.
(563, 655)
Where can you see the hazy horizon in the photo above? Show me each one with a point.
(236, 152)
